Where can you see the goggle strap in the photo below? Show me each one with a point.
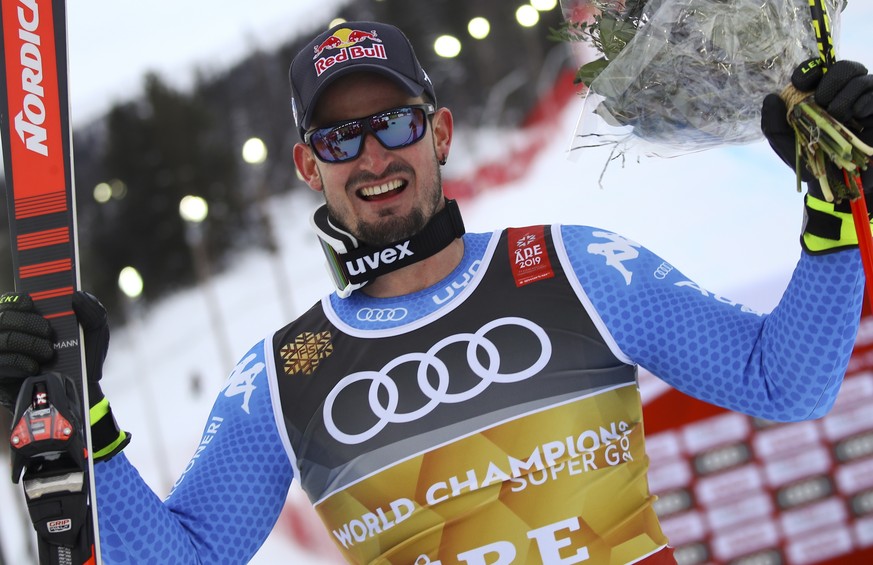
(329, 232)
(442, 229)
(363, 263)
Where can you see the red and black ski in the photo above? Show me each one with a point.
(50, 438)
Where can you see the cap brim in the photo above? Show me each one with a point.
(412, 87)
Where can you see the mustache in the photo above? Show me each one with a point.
(367, 177)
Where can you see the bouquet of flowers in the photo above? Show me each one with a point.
(677, 76)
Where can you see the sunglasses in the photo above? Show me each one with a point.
(395, 128)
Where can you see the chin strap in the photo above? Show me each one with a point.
(352, 263)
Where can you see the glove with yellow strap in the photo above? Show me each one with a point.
(26, 345)
(845, 91)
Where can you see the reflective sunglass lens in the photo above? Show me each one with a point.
(399, 129)
(338, 144)
(394, 129)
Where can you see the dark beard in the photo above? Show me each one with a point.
(394, 228)
(391, 229)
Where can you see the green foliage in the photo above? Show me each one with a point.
(821, 140)
(609, 32)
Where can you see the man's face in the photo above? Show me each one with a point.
(384, 194)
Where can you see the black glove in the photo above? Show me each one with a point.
(107, 438)
(25, 344)
(845, 91)
(94, 321)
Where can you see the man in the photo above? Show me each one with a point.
(464, 398)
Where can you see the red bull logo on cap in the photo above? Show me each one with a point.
(345, 42)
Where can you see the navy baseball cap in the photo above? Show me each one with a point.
(352, 47)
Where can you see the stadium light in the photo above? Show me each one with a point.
(479, 28)
(254, 151)
(105, 191)
(447, 46)
(102, 192)
(544, 5)
(527, 16)
(193, 209)
(130, 282)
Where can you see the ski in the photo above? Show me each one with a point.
(50, 436)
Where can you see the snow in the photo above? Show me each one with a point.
(728, 218)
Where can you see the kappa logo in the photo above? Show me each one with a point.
(384, 257)
(483, 357)
(242, 380)
(345, 42)
(616, 252)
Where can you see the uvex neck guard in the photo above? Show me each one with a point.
(352, 263)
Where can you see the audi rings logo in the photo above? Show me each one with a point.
(429, 363)
(663, 270)
(382, 314)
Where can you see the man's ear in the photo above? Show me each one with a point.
(307, 166)
(443, 127)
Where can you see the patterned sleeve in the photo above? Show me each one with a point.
(784, 366)
(228, 498)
